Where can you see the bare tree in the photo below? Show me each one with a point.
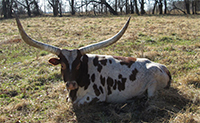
(7, 6)
(94, 8)
(120, 5)
(187, 6)
(109, 7)
(194, 6)
(127, 6)
(103, 2)
(175, 7)
(116, 5)
(31, 6)
(165, 4)
(27, 5)
(54, 4)
(160, 7)
(142, 7)
(132, 7)
(71, 3)
(60, 8)
(154, 7)
(136, 7)
(36, 9)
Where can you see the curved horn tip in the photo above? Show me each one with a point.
(105, 43)
(34, 43)
(129, 18)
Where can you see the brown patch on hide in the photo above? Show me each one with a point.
(125, 60)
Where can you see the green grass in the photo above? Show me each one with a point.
(32, 90)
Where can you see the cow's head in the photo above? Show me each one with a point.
(70, 60)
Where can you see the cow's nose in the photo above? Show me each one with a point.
(71, 85)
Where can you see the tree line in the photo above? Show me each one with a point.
(115, 7)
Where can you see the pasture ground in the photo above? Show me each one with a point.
(31, 90)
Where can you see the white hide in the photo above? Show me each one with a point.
(151, 77)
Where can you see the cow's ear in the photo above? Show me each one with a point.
(54, 61)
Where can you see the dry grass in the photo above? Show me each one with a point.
(31, 90)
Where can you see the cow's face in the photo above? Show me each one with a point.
(70, 66)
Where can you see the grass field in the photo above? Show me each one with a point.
(32, 90)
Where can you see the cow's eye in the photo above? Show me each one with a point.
(63, 66)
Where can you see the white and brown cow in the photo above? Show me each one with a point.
(104, 78)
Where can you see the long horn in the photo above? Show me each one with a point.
(105, 43)
(34, 43)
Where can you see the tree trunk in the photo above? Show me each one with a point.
(54, 5)
(120, 6)
(165, 3)
(116, 5)
(86, 7)
(72, 7)
(7, 8)
(160, 7)
(132, 8)
(55, 10)
(94, 6)
(10, 9)
(187, 6)
(154, 7)
(37, 12)
(194, 7)
(28, 8)
(126, 6)
(142, 7)
(136, 8)
(60, 9)
(101, 8)
(105, 10)
(4, 9)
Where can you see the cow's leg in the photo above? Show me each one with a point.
(151, 89)
(90, 99)
(87, 100)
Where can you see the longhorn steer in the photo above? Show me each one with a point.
(106, 78)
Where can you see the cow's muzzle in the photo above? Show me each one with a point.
(72, 85)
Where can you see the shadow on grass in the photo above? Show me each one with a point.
(159, 109)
